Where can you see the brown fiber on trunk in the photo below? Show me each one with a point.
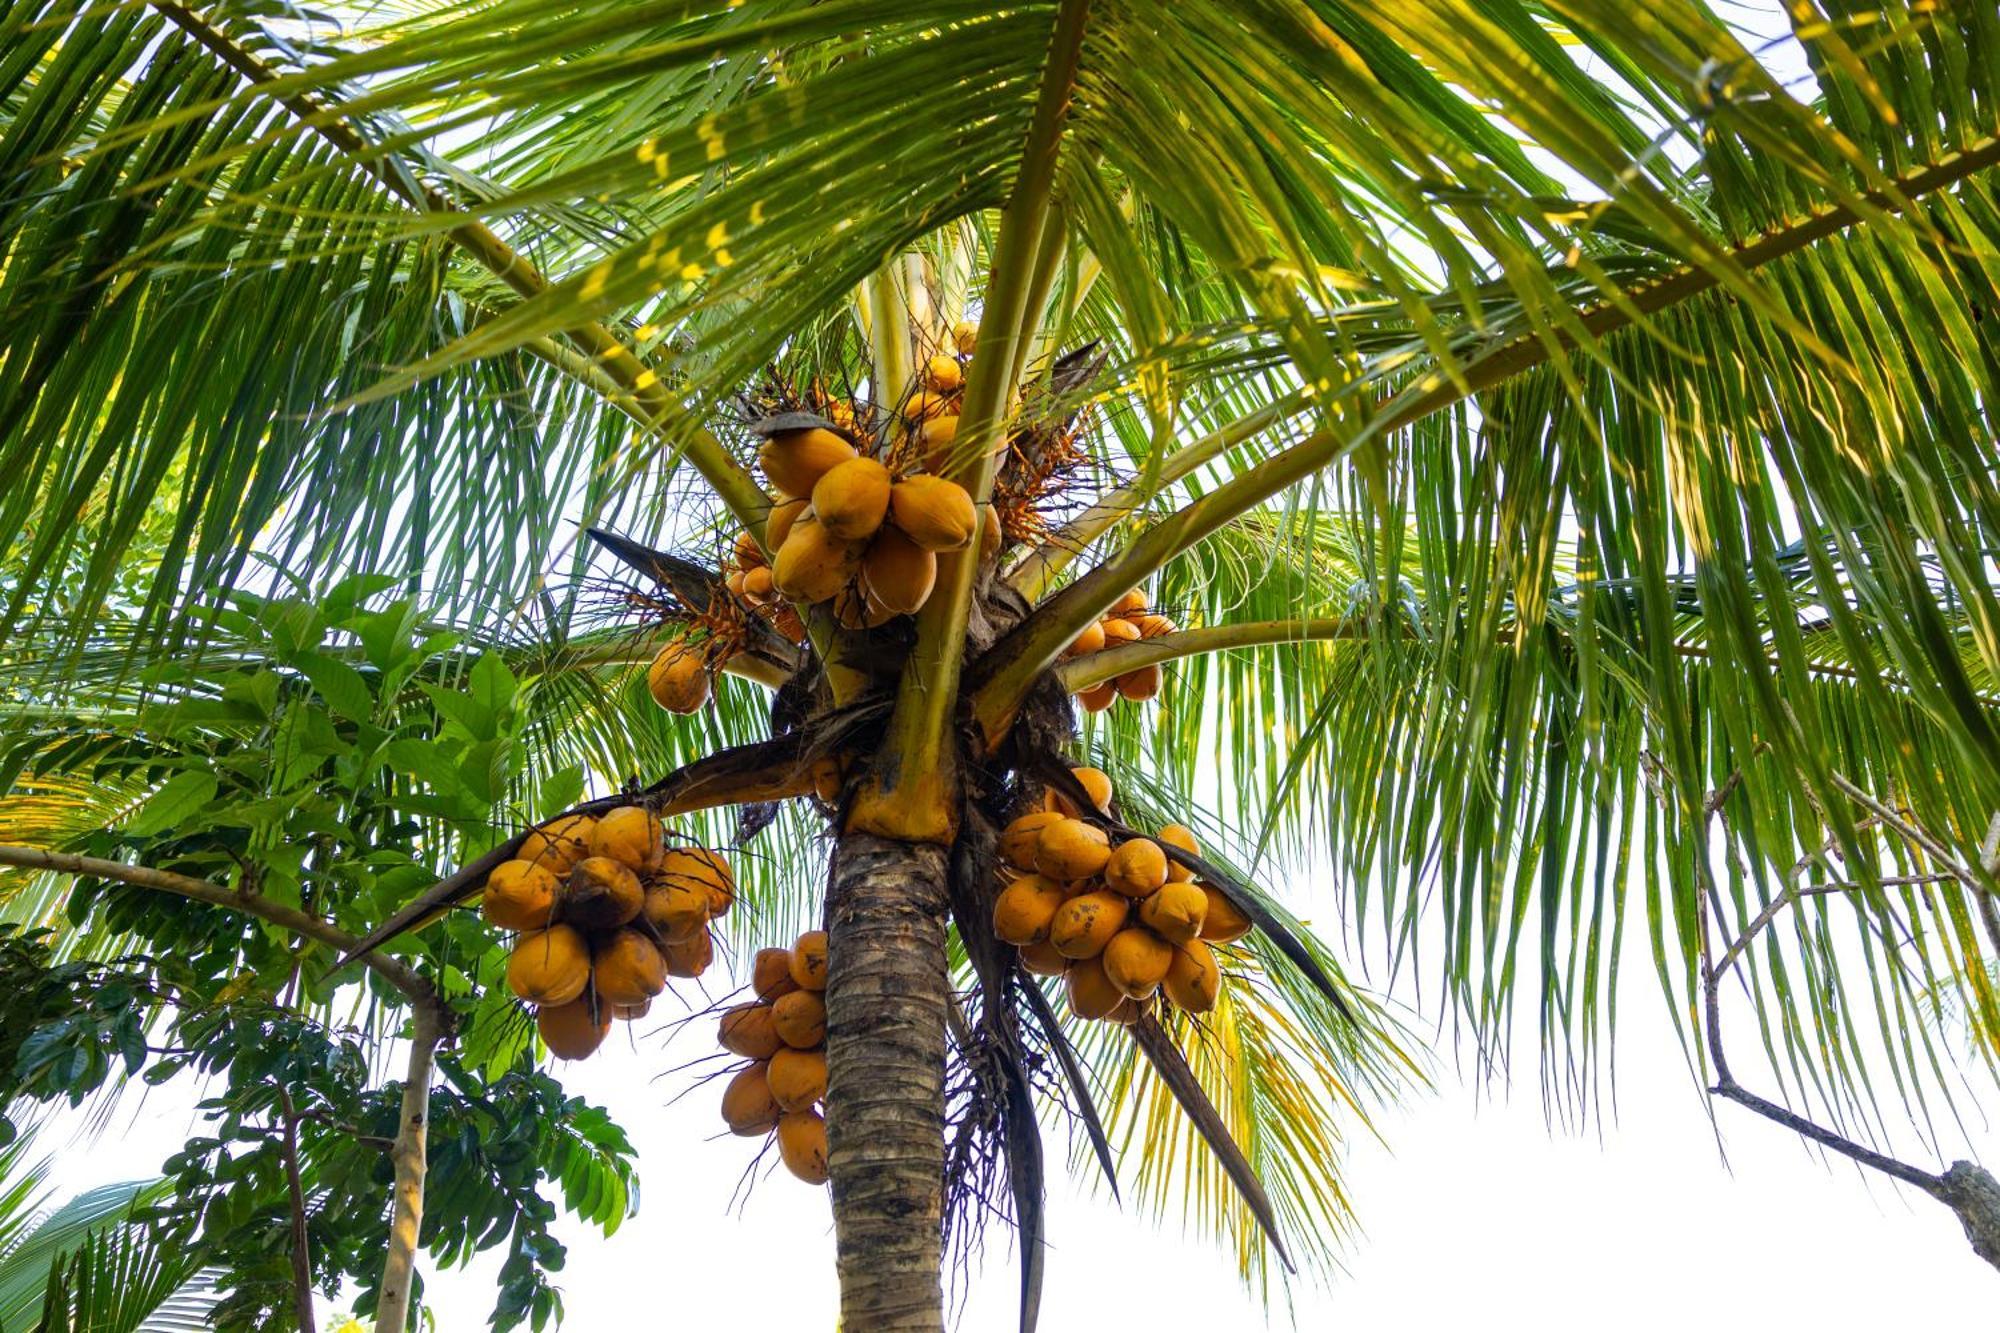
(886, 995)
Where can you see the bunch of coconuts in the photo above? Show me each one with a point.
(860, 527)
(1119, 924)
(607, 911)
(782, 1037)
(1127, 621)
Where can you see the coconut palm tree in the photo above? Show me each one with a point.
(1560, 426)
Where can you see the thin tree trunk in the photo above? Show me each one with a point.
(392, 1309)
(886, 997)
(302, 1293)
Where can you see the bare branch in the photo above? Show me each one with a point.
(404, 978)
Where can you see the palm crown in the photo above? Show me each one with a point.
(1560, 439)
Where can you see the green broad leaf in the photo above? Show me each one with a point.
(173, 804)
(464, 712)
(340, 685)
(483, 769)
(385, 634)
(294, 626)
(559, 791)
(343, 600)
(492, 684)
(435, 762)
(257, 690)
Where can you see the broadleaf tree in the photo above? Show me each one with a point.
(1556, 431)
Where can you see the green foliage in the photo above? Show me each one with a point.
(321, 755)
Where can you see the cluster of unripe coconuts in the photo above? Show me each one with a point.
(607, 910)
(1121, 924)
(847, 527)
(781, 1035)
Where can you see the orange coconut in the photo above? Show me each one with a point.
(519, 895)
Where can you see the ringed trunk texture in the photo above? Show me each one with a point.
(886, 995)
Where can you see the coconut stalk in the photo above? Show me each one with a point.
(912, 795)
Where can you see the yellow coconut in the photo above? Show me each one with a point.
(549, 966)
(965, 337)
(1044, 959)
(520, 895)
(800, 1018)
(733, 581)
(692, 958)
(601, 893)
(990, 535)
(749, 555)
(813, 564)
(1176, 912)
(1137, 960)
(1141, 684)
(758, 586)
(1098, 697)
(795, 460)
(809, 961)
(771, 973)
(747, 1105)
(1071, 849)
(558, 844)
(798, 1078)
(1131, 604)
(1181, 836)
(575, 1030)
(630, 833)
(852, 499)
(778, 523)
(1089, 641)
(934, 440)
(802, 1145)
(1091, 994)
(1193, 981)
(748, 1029)
(1085, 924)
(1151, 626)
(1118, 631)
(1137, 867)
(678, 679)
(1093, 781)
(943, 374)
(935, 513)
(923, 405)
(627, 969)
(703, 868)
(1024, 909)
(627, 1013)
(1020, 838)
(898, 573)
(678, 912)
(1224, 921)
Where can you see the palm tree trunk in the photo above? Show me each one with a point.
(886, 995)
